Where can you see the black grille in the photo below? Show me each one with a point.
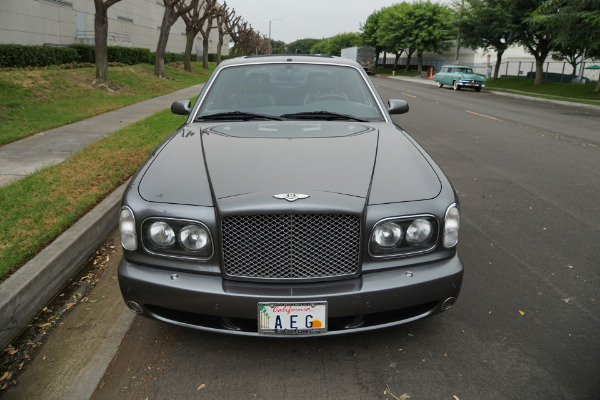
(291, 246)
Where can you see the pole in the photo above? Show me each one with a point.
(462, 5)
(270, 48)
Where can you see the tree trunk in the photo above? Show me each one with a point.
(397, 60)
(597, 88)
(497, 66)
(159, 58)
(408, 57)
(539, 70)
(219, 47)
(100, 41)
(420, 62)
(205, 52)
(189, 44)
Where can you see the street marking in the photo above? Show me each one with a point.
(409, 95)
(485, 116)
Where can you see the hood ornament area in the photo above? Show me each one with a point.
(291, 196)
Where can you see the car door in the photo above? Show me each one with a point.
(448, 79)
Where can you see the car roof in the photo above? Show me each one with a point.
(292, 58)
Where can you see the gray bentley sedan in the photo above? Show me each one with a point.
(289, 204)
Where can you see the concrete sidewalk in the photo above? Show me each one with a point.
(37, 282)
(32, 153)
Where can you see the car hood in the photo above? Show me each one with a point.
(290, 157)
(473, 77)
(235, 162)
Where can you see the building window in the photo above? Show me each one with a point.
(125, 19)
(62, 3)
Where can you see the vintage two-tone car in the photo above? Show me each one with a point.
(459, 76)
(289, 203)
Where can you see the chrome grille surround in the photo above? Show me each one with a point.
(291, 246)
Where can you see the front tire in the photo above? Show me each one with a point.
(455, 85)
(440, 84)
(478, 89)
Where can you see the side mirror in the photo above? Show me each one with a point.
(181, 107)
(397, 106)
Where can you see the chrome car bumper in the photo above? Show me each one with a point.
(373, 300)
(471, 84)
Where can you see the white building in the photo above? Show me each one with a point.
(132, 23)
(516, 61)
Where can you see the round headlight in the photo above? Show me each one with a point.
(193, 237)
(419, 231)
(127, 230)
(451, 226)
(387, 234)
(161, 234)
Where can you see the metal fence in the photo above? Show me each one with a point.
(553, 70)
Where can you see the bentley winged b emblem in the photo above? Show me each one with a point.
(291, 196)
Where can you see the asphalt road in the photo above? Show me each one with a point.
(527, 322)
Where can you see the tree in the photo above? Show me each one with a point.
(573, 26)
(391, 32)
(489, 24)
(434, 28)
(415, 27)
(320, 47)
(222, 15)
(170, 16)
(532, 34)
(246, 40)
(302, 46)
(334, 45)
(206, 25)
(369, 33)
(196, 20)
(277, 47)
(101, 39)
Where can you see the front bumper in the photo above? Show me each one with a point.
(373, 300)
(469, 83)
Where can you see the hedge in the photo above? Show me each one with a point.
(20, 56)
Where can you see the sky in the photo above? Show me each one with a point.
(301, 19)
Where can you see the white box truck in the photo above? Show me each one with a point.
(364, 55)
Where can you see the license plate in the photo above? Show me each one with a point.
(292, 318)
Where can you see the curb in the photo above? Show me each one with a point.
(24, 294)
(542, 100)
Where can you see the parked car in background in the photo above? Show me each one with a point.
(289, 203)
(459, 76)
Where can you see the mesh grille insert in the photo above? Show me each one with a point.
(291, 246)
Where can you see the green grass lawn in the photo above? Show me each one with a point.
(398, 72)
(38, 208)
(551, 90)
(33, 101)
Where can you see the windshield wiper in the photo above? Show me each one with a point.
(238, 115)
(326, 115)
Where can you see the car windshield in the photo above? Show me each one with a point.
(289, 91)
(465, 70)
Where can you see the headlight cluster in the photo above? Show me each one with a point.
(403, 236)
(178, 238)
